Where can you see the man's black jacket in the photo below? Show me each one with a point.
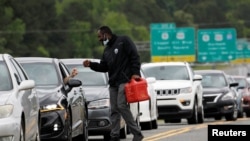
(120, 59)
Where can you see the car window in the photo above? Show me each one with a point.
(6, 83)
(90, 77)
(42, 73)
(20, 72)
(213, 80)
(167, 72)
(242, 82)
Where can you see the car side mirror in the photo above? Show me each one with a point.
(73, 82)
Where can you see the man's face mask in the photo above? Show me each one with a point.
(105, 40)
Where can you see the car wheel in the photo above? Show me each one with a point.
(194, 118)
(22, 131)
(201, 115)
(248, 114)
(146, 125)
(155, 124)
(232, 116)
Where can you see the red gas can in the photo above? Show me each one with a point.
(136, 90)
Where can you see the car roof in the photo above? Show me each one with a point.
(239, 76)
(4, 55)
(164, 63)
(208, 71)
(77, 60)
(36, 59)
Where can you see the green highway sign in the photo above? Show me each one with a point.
(242, 51)
(216, 45)
(172, 44)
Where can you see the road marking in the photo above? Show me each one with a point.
(174, 132)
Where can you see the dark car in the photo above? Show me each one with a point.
(96, 86)
(219, 100)
(63, 105)
(244, 90)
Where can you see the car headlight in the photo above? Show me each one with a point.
(186, 90)
(52, 107)
(227, 96)
(6, 110)
(103, 103)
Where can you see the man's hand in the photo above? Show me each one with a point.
(86, 63)
(136, 77)
(74, 72)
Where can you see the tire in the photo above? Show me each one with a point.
(248, 114)
(146, 125)
(232, 116)
(201, 115)
(154, 124)
(194, 118)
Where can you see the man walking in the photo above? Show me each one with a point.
(122, 62)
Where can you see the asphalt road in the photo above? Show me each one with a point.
(180, 131)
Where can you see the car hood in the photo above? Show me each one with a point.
(171, 84)
(96, 92)
(48, 95)
(215, 90)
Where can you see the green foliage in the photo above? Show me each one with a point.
(67, 28)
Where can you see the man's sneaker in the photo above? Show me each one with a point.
(138, 137)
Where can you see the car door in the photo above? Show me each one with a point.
(75, 98)
(28, 100)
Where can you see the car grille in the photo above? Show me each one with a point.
(168, 92)
(210, 98)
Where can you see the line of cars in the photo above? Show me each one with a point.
(184, 93)
(80, 107)
(65, 110)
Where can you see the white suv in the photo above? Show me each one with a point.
(179, 91)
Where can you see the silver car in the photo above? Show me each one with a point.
(19, 105)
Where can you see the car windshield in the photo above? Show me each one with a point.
(42, 73)
(6, 83)
(89, 77)
(167, 72)
(213, 81)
